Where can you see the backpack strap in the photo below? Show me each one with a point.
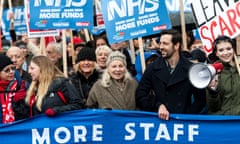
(61, 96)
(18, 78)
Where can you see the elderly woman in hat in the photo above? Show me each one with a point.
(116, 88)
(12, 93)
(86, 73)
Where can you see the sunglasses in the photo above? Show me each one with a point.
(9, 69)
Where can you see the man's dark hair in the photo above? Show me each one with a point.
(176, 36)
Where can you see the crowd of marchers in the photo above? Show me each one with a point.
(111, 76)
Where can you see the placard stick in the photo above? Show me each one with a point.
(64, 56)
(72, 47)
(86, 35)
(237, 63)
(131, 45)
(1, 13)
(42, 46)
(1, 9)
(11, 17)
(10, 7)
(238, 45)
(10, 4)
(91, 37)
(140, 41)
(237, 53)
(183, 27)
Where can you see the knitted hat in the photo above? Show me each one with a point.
(86, 53)
(4, 61)
(116, 55)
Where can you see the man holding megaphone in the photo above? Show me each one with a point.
(167, 77)
(223, 95)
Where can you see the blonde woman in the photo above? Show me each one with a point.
(116, 88)
(50, 92)
(86, 73)
(102, 53)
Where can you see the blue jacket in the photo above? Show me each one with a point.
(138, 64)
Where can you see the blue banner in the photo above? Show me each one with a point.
(60, 14)
(173, 6)
(128, 19)
(20, 24)
(118, 127)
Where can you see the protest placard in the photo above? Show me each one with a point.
(128, 19)
(214, 18)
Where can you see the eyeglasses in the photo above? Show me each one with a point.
(9, 69)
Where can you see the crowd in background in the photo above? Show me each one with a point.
(105, 76)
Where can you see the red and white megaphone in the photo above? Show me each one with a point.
(200, 74)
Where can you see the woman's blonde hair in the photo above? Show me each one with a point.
(106, 78)
(99, 48)
(103, 47)
(48, 73)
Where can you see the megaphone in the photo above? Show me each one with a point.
(200, 74)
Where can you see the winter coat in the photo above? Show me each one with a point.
(173, 90)
(53, 99)
(16, 91)
(226, 100)
(113, 97)
(84, 84)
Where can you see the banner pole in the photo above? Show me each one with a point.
(131, 45)
(236, 55)
(183, 27)
(72, 47)
(1, 13)
(237, 63)
(10, 4)
(42, 46)
(86, 35)
(64, 56)
(140, 41)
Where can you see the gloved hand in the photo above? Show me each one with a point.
(50, 112)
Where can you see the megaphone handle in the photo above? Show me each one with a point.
(237, 63)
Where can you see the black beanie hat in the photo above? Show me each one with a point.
(199, 55)
(86, 53)
(4, 61)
